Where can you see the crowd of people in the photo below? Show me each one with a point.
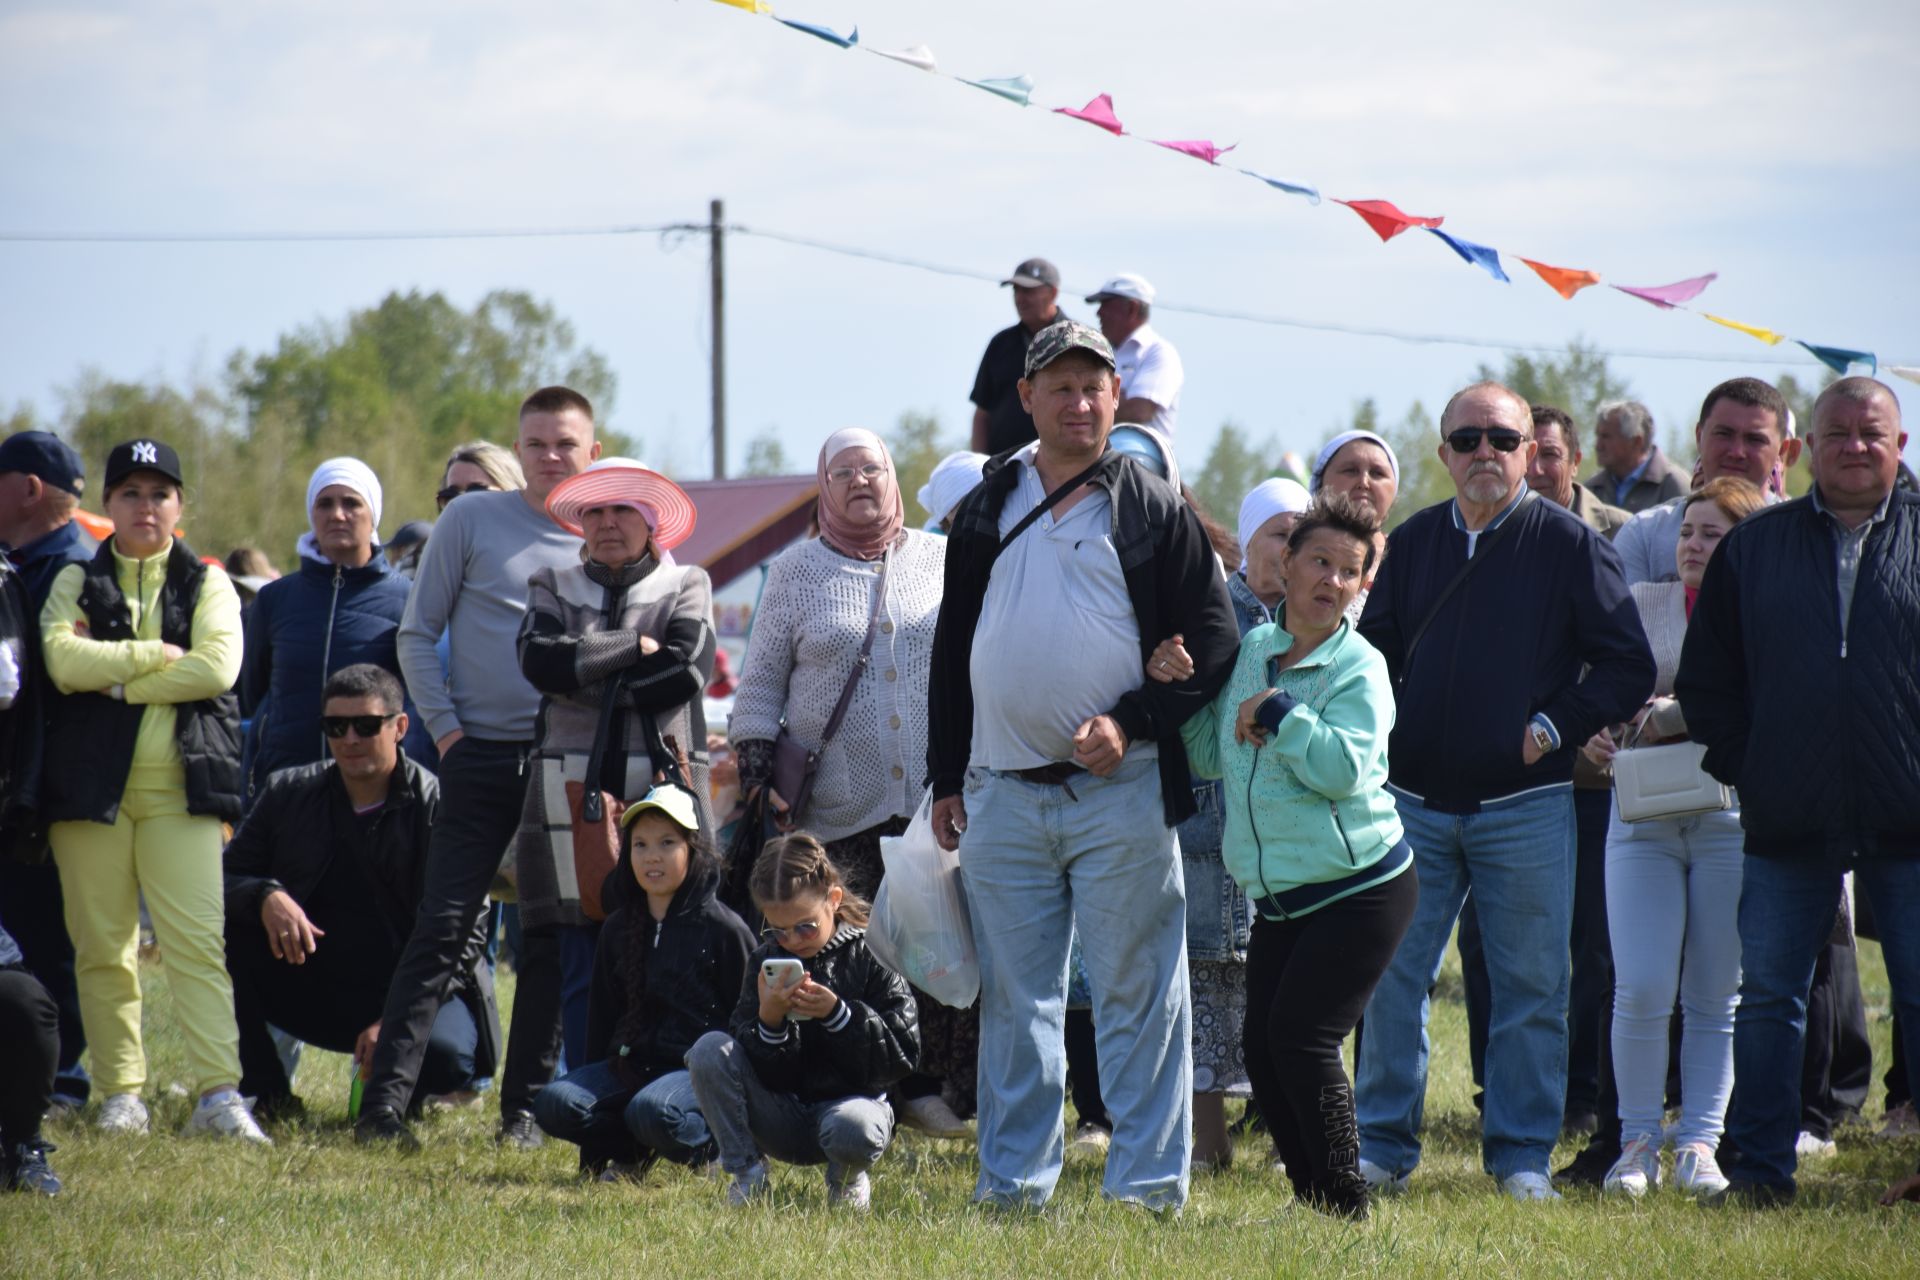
(1220, 798)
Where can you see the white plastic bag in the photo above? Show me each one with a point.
(920, 927)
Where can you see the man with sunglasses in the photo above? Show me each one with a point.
(322, 882)
(472, 586)
(1487, 608)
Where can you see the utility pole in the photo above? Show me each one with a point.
(716, 231)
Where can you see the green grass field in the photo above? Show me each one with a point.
(315, 1205)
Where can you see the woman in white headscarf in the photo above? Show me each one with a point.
(1362, 466)
(341, 607)
(867, 573)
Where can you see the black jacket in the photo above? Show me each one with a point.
(90, 737)
(32, 568)
(1507, 644)
(304, 816)
(876, 1044)
(690, 971)
(1817, 726)
(1173, 579)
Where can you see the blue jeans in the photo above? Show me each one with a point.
(1035, 859)
(1518, 860)
(1786, 914)
(610, 1120)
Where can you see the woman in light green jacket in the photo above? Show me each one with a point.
(1299, 734)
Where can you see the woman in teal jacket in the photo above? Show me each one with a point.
(1299, 735)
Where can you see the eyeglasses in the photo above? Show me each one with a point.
(1467, 439)
(803, 931)
(844, 475)
(362, 726)
(453, 491)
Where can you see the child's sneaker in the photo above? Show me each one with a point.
(854, 1192)
(1637, 1171)
(1696, 1171)
(225, 1115)
(749, 1186)
(123, 1113)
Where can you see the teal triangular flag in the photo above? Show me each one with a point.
(1291, 188)
(825, 33)
(1013, 88)
(1841, 360)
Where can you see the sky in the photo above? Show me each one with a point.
(1650, 142)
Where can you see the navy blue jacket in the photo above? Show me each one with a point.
(41, 560)
(1818, 728)
(303, 628)
(1508, 643)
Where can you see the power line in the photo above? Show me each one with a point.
(844, 250)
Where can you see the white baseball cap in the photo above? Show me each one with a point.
(1125, 285)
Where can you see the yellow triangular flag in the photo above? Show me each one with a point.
(1767, 336)
(751, 6)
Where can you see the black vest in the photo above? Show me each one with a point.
(90, 736)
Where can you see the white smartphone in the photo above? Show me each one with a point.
(783, 973)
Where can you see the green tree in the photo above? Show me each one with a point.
(1233, 466)
(23, 418)
(766, 456)
(917, 447)
(1578, 382)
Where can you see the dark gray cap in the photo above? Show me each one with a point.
(1033, 273)
(1061, 337)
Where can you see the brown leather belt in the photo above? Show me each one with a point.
(1059, 774)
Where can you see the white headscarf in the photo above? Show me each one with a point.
(355, 475)
(1263, 502)
(953, 478)
(1340, 442)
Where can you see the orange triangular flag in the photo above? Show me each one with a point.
(1565, 280)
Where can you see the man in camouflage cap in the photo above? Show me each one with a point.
(1065, 567)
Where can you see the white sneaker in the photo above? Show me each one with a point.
(1090, 1142)
(1526, 1187)
(1809, 1147)
(1696, 1171)
(123, 1113)
(225, 1115)
(932, 1116)
(854, 1193)
(1636, 1172)
(1379, 1180)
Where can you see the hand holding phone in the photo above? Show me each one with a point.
(780, 976)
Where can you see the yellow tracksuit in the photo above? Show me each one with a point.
(154, 846)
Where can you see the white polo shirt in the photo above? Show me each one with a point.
(1150, 368)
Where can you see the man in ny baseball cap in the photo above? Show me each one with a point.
(143, 455)
(999, 421)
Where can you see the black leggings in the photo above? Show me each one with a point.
(30, 1030)
(1308, 981)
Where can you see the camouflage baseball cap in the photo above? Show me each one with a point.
(1061, 337)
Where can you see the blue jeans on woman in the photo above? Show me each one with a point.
(1517, 857)
(596, 1108)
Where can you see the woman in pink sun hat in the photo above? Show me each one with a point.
(624, 482)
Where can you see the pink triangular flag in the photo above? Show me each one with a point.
(1669, 296)
(1098, 112)
(1386, 220)
(1199, 149)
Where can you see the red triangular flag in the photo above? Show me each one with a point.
(1098, 112)
(1386, 220)
(1565, 280)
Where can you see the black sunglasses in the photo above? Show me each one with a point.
(1467, 439)
(453, 491)
(362, 726)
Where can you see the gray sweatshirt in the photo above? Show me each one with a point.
(472, 585)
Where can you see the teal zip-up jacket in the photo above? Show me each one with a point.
(1309, 819)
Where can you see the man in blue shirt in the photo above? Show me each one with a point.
(1633, 472)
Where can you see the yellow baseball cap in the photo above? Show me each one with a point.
(675, 801)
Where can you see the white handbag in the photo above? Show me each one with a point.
(1665, 782)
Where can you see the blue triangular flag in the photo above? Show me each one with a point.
(1013, 88)
(1291, 188)
(825, 33)
(1840, 360)
(1479, 255)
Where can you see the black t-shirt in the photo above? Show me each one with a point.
(359, 913)
(995, 389)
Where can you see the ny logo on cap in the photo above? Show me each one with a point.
(144, 451)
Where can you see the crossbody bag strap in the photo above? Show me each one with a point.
(866, 656)
(1051, 501)
(1486, 544)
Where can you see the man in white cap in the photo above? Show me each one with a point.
(1000, 422)
(1150, 371)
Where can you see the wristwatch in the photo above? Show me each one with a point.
(1541, 738)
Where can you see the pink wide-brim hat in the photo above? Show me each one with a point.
(622, 482)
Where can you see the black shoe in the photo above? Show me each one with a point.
(28, 1170)
(1589, 1168)
(520, 1131)
(383, 1124)
(1752, 1195)
(1579, 1124)
(1250, 1121)
(1345, 1197)
(283, 1108)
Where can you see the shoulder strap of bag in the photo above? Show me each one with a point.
(1051, 501)
(1486, 544)
(866, 656)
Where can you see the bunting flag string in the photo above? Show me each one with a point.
(1383, 217)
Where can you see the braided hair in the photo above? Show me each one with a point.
(791, 866)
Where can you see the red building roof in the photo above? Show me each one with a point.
(744, 522)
